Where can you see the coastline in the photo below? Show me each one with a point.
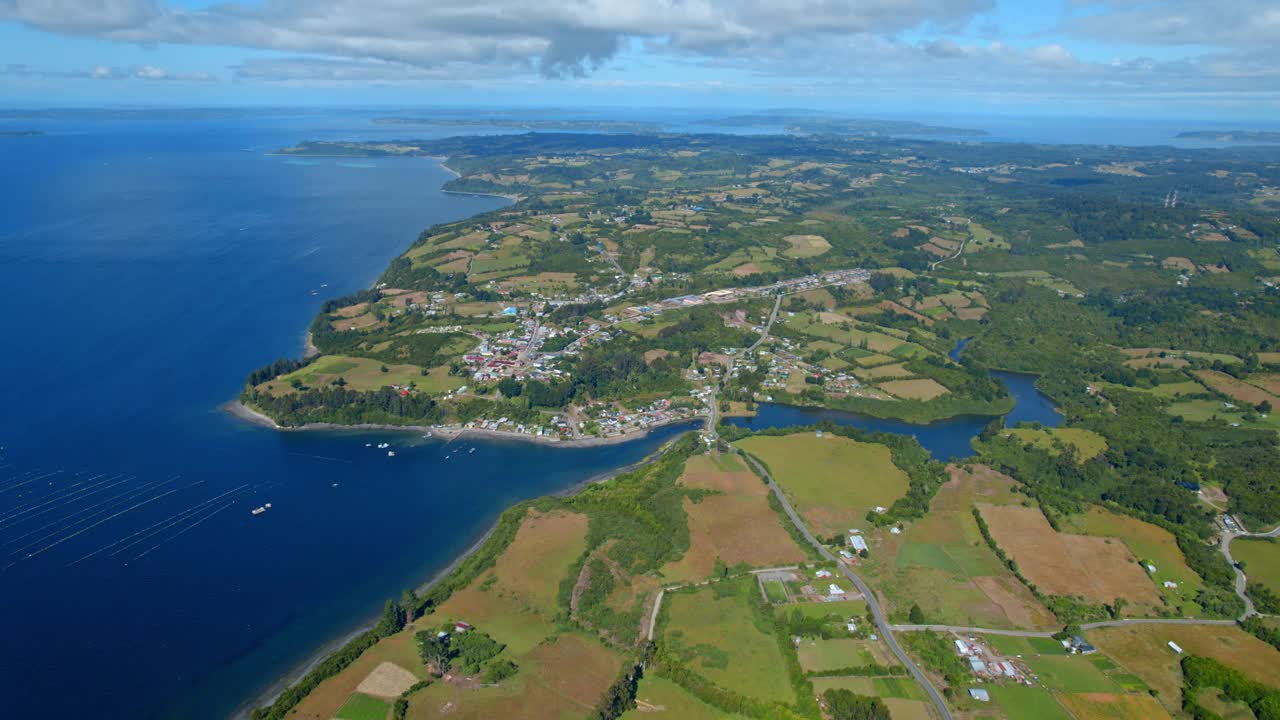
(269, 695)
(243, 412)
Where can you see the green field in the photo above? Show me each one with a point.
(1261, 558)
(838, 611)
(363, 707)
(776, 591)
(1025, 647)
(927, 555)
(1071, 673)
(820, 655)
(722, 640)
(833, 481)
(1087, 444)
(1027, 703)
(660, 698)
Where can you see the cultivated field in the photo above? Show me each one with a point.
(1065, 564)
(1236, 389)
(832, 481)
(803, 246)
(1113, 706)
(736, 524)
(1142, 650)
(918, 389)
(941, 562)
(719, 638)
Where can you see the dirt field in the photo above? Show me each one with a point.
(806, 246)
(1142, 650)
(1148, 542)
(918, 389)
(737, 526)
(387, 680)
(324, 701)
(1236, 389)
(883, 371)
(1063, 564)
(833, 481)
(1267, 381)
(746, 269)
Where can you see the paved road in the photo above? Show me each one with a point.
(1044, 634)
(713, 415)
(1241, 581)
(886, 630)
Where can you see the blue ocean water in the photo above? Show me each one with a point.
(148, 266)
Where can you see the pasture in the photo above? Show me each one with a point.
(716, 631)
(1087, 444)
(1096, 568)
(1027, 703)
(358, 373)
(1261, 558)
(833, 481)
(735, 524)
(1149, 543)
(1143, 651)
(941, 562)
(817, 655)
(363, 707)
(806, 246)
(1237, 390)
(660, 699)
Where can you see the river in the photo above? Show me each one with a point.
(944, 439)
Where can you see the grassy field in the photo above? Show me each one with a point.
(1027, 703)
(722, 641)
(1113, 706)
(1070, 674)
(358, 373)
(325, 701)
(1064, 564)
(1238, 390)
(918, 389)
(1142, 651)
(1150, 544)
(817, 655)
(806, 246)
(1261, 558)
(660, 698)
(542, 690)
(1026, 647)
(1087, 444)
(736, 524)
(941, 562)
(833, 481)
(363, 707)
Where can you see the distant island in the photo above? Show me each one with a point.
(20, 133)
(1232, 136)
(805, 124)
(610, 126)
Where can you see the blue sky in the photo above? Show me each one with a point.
(1130, 58)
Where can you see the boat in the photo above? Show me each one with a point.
(391, 453)
(471, 451)
(258, 510)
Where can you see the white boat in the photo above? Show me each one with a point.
(258, 510)
(391, 453)
(471, 451)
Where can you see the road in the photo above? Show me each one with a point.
(882, 624)
(1241, 581)
(1046, 634)
(713, 401)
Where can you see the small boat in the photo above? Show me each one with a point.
(368, 444)
(258, 510)
(471, 451)
(391, 453)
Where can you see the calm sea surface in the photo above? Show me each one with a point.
(147, 267)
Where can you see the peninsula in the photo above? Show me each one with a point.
(786, 572)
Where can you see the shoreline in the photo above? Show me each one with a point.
(238, 409)
(268, 696)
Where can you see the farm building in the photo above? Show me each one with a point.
(857, 542)
(979, 694)
(977, 666)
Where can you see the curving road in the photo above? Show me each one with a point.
(1241, 581)
(882, 624)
